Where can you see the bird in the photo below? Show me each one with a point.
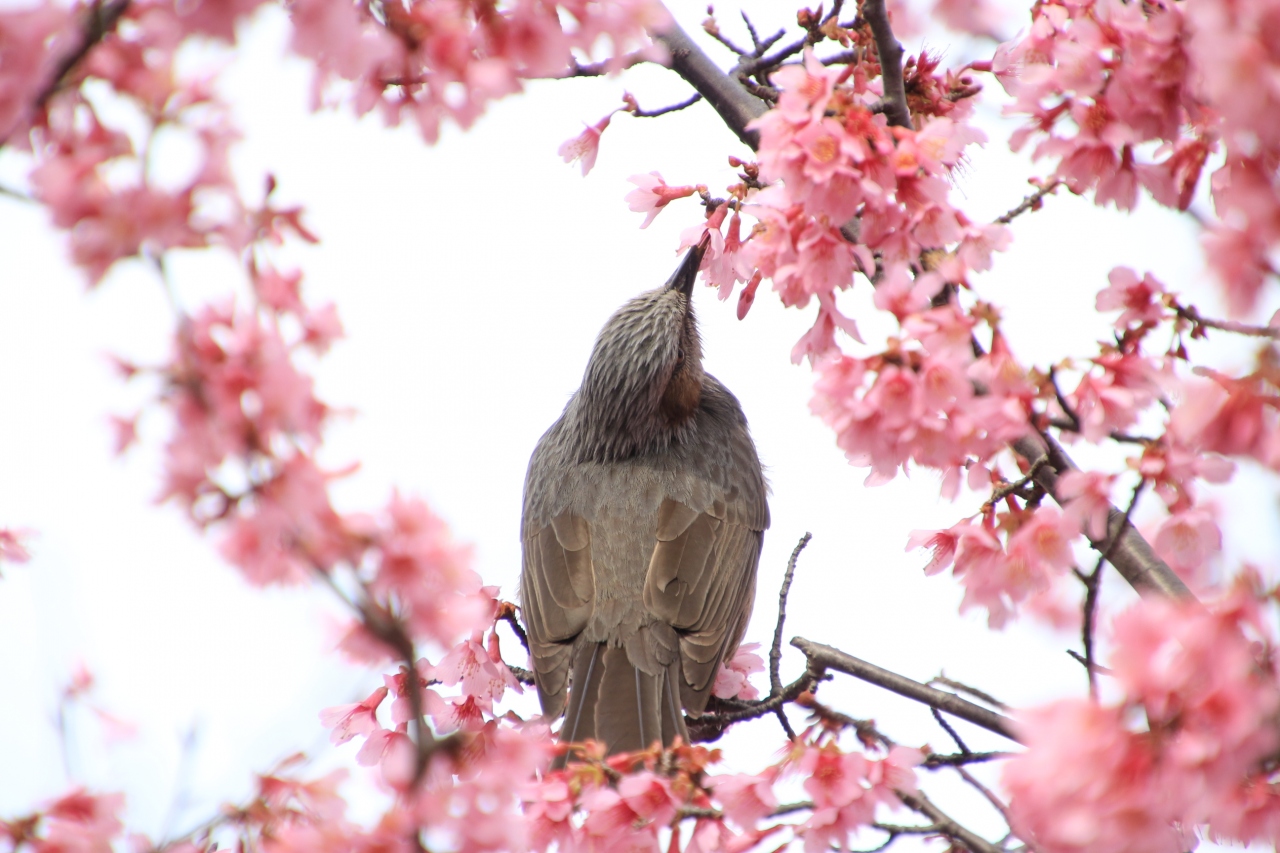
(644, 511)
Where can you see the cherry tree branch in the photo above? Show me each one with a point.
(1130, 553)
(825, 657)
(890, 52)
(945, 825)
(736, 106)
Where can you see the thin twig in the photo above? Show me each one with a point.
(960, 686)
(709, 727)
(955, 736)
(1079, 658)
(1093, 584)
(826, 657)
(735, 106)
(711, 28)
(687, 102)
(935, 760)
(995, 801)
(1032, 202)
(775, 651)
(1004, 490)
(945, 825)
(890, 52)
(507, 613)
(865, 729)
(1193, 316)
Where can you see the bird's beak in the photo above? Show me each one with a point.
(682, 279)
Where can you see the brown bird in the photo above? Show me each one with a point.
(644, 512)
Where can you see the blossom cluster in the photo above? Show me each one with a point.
(1184, 746)
(1143, 96)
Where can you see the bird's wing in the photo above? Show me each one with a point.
(558, 590)
(701, 581)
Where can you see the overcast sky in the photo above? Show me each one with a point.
(471, 278)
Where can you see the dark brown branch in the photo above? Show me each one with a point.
(1032, 202)
(1093, 585)
(825, 657)
(711, 28)
(890, 51)
(996, 802)
(1131, 554)
(944, 825)
(961, 687)
(687, 102)
(1114, 435)
(865, 729)
(775, 651)
(736, 106)
(947, 727)
(1079, 658)
(935, 761)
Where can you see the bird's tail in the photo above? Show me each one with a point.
(612, 701)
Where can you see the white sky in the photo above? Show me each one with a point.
(471, 278)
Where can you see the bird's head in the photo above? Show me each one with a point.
(644, 380)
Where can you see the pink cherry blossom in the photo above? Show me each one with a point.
(652, 194)
(585, 146)
(732, 677)
(347, 721)
(1088, 500)
(1134, 296)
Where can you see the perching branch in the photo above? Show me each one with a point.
(825, 657)
(890, 51)
(1032, 202)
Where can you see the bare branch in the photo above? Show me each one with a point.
(711, 28)
(944, 825)
(687, 102)
(890, 51)
(826, 657)
(1032, 202)
(961, 687)
(1093, 584)
(775, 651)
(936, 760)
